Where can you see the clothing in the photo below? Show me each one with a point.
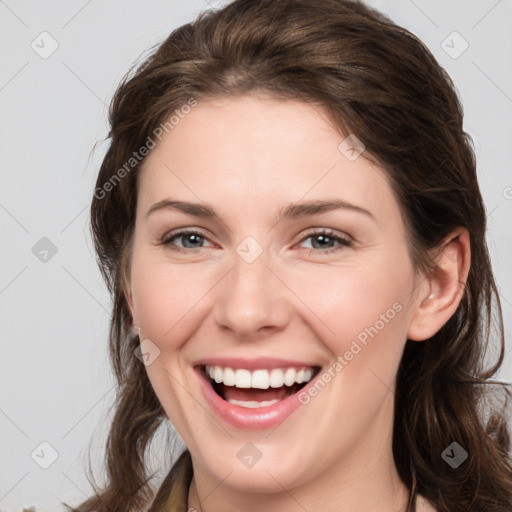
(172, 496)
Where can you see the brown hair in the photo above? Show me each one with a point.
(377, 81)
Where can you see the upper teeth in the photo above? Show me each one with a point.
(261, 379)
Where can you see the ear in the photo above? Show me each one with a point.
(441, 291)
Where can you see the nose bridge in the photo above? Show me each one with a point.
(251, 297)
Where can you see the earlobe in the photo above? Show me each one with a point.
(442, 290)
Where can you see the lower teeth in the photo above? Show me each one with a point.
(252, 404)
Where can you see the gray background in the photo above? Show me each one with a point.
(56, 386)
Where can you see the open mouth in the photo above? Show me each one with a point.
(258, 388)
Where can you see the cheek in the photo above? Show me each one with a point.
(366, 304)
(167, 296)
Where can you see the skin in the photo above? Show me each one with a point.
(248, 157)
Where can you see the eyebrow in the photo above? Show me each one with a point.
(290, 211)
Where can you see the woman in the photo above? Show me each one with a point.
(289, 222)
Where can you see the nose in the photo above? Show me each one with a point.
(251, 300)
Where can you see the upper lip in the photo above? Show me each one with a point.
(254, 364)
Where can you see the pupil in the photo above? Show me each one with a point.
(322, 238)
(191, 236)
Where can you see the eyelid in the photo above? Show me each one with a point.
(329, 232)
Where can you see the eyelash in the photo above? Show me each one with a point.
(343, 242)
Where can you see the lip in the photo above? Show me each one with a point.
(245, 418)
(261, 363)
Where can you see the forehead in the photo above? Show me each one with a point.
(256, 150)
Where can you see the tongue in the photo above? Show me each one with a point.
(258, 395)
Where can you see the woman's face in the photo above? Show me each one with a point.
(271, 286)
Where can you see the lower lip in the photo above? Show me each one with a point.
(261, 418)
